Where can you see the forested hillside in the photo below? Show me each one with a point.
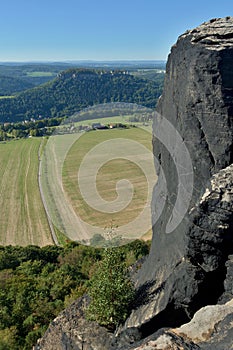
(76, 89)
(37, 283)
(11, 85)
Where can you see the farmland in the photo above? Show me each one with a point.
(40, 74)
(3, 97)
(108, 175)
(23, 220)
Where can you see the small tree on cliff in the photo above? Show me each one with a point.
(111, 290)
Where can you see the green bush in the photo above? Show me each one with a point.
(111, 290)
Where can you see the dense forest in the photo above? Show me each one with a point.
(11, 85)
(37, 283)
(76, 89)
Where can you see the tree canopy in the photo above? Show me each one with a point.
(111, 290)
(37, 283)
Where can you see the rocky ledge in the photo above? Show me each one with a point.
(216, 34)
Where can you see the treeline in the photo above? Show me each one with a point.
(44, 127)
(37, 283)
(75, 90)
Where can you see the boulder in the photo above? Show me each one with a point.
(72, 331)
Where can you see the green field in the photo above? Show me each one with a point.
(40, 74)
(2, 97)
(107, 177)
(23, 220)
(23, 217)
(107, 120)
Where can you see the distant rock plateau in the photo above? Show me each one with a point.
(185, 286)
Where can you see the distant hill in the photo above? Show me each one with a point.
(75, 89)
(34, 74)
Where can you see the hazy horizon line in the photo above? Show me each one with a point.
(81, 60)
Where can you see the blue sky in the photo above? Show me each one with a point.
(58, 30)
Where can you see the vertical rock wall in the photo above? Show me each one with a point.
(186, 267)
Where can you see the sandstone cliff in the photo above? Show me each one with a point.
(186, 268)
(190, 263)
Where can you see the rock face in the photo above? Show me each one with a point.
(211, 328)
(186, 267)
(70, 331)
(190, 265)
(228, 283)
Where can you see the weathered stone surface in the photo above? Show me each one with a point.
(222, 337)
(164, 339)
(186, 268)
(71, 331)
(211, 328)
(204, 323)
(228, 282)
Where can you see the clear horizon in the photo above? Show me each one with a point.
(78, 30)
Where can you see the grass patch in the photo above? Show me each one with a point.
(62, 239)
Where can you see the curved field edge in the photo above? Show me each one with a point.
(23, 220)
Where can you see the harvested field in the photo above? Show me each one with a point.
(23, 220)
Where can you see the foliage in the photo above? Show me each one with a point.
(76, 89)
(111, 290)
(11, 85)
(37, 283)
(43, 127)
(8, 339)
